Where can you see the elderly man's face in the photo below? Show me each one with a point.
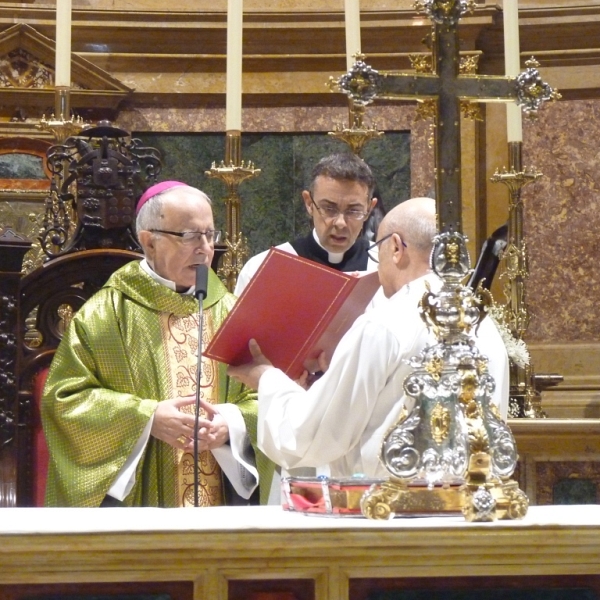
(184, 210)
(337, 234)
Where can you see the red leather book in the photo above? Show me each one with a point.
(295, 309)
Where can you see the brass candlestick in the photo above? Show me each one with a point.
(61, 124)
(232, 171)
(356, 135)
(525, 400)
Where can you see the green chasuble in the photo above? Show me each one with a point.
(108, 374)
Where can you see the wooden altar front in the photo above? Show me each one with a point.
(244, 552)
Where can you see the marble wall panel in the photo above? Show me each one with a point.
(567, 482)
(270, 5)
(562, 220)
(561, 208)
(272, 210)
(296, 120)
(249, 5)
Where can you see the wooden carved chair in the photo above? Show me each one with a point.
(49, 296)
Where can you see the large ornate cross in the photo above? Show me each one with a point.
(447, 87)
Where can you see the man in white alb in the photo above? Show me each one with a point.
(340, 421)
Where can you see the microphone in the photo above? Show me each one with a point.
(200, 293)
(201, 281)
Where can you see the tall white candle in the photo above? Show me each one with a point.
(233, 98)
(62, 66)
(512, 64)
(352, 11)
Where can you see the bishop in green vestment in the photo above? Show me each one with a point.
(118, 403)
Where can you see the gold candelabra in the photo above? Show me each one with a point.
(61, 123)
(232, 171)
(357, 134)
(515, 313)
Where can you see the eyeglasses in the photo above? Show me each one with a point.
(329, 213)
(374, 256)
(212, 236)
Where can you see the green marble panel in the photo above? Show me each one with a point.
(272, 210)
(574, 491)
(15, 165)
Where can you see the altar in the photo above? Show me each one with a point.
(245, 552)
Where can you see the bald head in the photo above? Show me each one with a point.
(414, 220)
(404, 256)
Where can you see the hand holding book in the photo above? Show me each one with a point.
(250, 373)
(296, 310)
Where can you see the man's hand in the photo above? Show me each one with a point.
(321, 363)
(220, 429)
(176, 428)
(313, 371)
(250, 373)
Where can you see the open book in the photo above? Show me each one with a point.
(295, 309)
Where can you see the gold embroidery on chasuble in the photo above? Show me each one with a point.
(180, 336)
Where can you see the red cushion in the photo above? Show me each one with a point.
(39, 447)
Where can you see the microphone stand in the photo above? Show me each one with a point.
(200, 293)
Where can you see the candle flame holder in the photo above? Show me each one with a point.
(525, 400)
(233, 171)
(61, 124)
(357, 134)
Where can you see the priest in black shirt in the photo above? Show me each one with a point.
(339, 201)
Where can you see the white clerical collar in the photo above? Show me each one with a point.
(334, 257)
(166, 282)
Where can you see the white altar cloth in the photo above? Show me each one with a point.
(15, 521)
